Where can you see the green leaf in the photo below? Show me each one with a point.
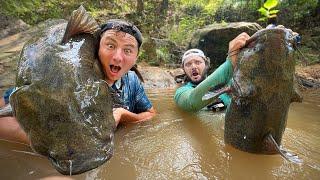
(262, 19)
(273, 12)
(273, 16)
(269, 4)
(263, 11)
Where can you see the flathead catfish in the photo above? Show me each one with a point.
(62, 101)
(263, 87)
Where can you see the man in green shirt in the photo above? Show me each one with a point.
(195, 65)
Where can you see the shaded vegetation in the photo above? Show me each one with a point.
(175, 20)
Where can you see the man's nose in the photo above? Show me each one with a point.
(193, 65)
(118, 55)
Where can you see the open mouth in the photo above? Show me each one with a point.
(115, 69)
(195, 73)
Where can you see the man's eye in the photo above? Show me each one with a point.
(188, 64)
(110, 46)
(128, 51)
(198, 62)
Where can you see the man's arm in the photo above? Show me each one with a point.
(190, 99)
(11, 130)
(124, 116)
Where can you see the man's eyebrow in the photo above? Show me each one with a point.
(130, 45)
(110, 38)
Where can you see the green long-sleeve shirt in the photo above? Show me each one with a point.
(189, 96)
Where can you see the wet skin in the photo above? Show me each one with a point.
(195, 67)
(118, 53)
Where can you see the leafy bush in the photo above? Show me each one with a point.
(266, 10)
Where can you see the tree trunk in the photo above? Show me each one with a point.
(140, 6)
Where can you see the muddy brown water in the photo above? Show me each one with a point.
(179, 145)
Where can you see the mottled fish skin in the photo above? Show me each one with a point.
(263, 89)
(62, 101)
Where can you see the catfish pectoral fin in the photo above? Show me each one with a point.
(6, 111)
(271, 145)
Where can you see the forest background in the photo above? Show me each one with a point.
(171, 23)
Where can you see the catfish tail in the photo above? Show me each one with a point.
(80, 22)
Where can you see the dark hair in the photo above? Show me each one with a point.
(124, 26)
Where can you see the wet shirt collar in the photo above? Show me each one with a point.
(117, 84)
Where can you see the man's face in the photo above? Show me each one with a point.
(118, 53)
(195, 68)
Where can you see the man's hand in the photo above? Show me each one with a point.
(117, 113)
(125, 116)
(235, 45)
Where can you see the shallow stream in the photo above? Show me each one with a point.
(180, 145)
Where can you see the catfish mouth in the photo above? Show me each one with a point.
(76, 162)
(115, 69)
(78, 165)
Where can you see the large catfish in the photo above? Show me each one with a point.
(263, 87)
(62, 101)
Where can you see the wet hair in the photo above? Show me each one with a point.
(124, 26)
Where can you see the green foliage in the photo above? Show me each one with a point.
(35, 11)
(163, 55)
(237, 10)
(32, 11)
(266, 11)
(176, 23)
(190, 16)
(181, 33)
(295, 13)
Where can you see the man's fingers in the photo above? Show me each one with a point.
(240, 40)
(245, 35)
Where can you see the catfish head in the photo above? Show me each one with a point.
(61, 100)
(263, 86)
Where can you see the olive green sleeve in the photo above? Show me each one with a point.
(190, 99)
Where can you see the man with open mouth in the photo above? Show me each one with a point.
(196, 84)
(118, 53)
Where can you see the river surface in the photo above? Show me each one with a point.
(180, 145)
